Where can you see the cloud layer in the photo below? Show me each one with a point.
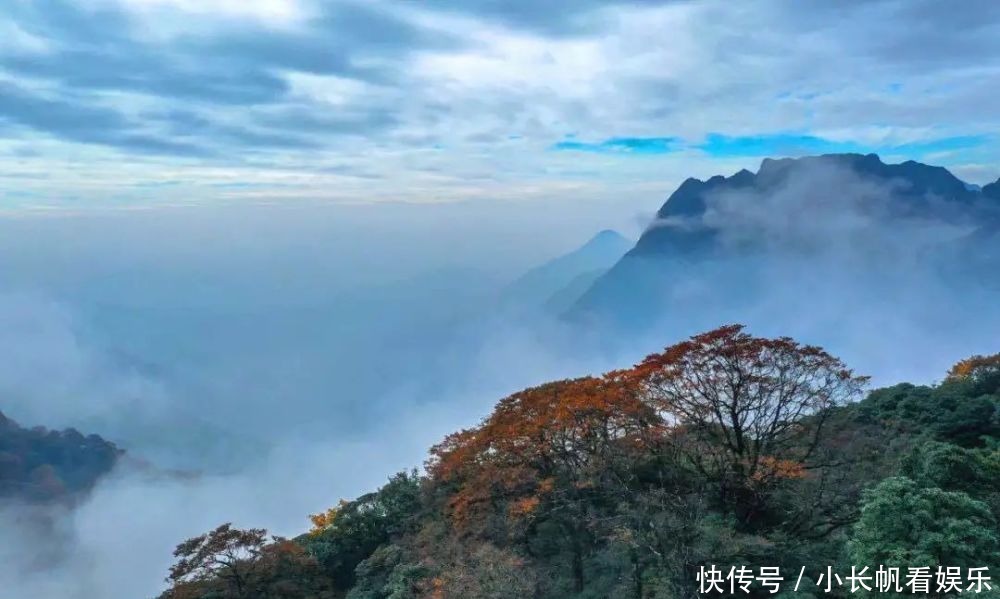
(130, 101)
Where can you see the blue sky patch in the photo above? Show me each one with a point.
(626, 145)
(717, 145)
(776, 144)
(795, 144)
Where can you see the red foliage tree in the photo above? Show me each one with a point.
(749, 410)
(562, 430)
(546, 452)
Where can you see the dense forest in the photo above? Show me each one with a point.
(42, 465)
(725, 450)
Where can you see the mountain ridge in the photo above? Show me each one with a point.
(725, 218)
(555, 285)
(42, 465)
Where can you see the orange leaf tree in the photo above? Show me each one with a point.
(723, 414)
(975, 366)
(749, 410)
(546, 453)
(982, 373)
(557, 435)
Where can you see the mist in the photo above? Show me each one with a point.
(899, 288)
(261, 362)
(257, 362)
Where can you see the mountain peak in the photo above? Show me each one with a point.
(606, 242)
(606, 237)
(844, 208)
(916, 181)
(911, 188)
(858, 162)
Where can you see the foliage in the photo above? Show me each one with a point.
(903, 524)
(724, 449)
(229, 563)
(346, 535)
(982, 373)
(954, 412)
(486, 571)
(751, 410)
(551, 442)
(44, 465)
(386, 575)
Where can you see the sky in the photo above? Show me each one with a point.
(145, 103)
(262, 238)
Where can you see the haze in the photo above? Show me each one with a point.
(263, 245)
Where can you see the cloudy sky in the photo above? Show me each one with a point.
(138, 103)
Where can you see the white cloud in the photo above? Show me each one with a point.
(473, 95)
(15, 40)
(267, 12)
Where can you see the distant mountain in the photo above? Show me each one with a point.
(992, 190)
(911, 189)
(556, 285)
(717, 242)
(39, 465)
(563, 299)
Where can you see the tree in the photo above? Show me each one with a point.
(486, 572)
(226, 555)
(749, 410)
(955, 411)
(553, 455)
(232, 563)
(386, 574)
(953, 468)
(44, 465)
(903, 524)
(983, 372)
(344, 536)
(725, 449)
(564, 430)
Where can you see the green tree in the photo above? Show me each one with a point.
(903, 525)
(344, 536)
(385, 574)
(954, 468)
(957, 411)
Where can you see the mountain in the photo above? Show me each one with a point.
(40, 465)
(725, 448)
(564, 298)
(728, 241)
(992, 190)
(911, 189)
(556, 285)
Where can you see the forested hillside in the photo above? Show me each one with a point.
(725, 449)
(39, 464)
